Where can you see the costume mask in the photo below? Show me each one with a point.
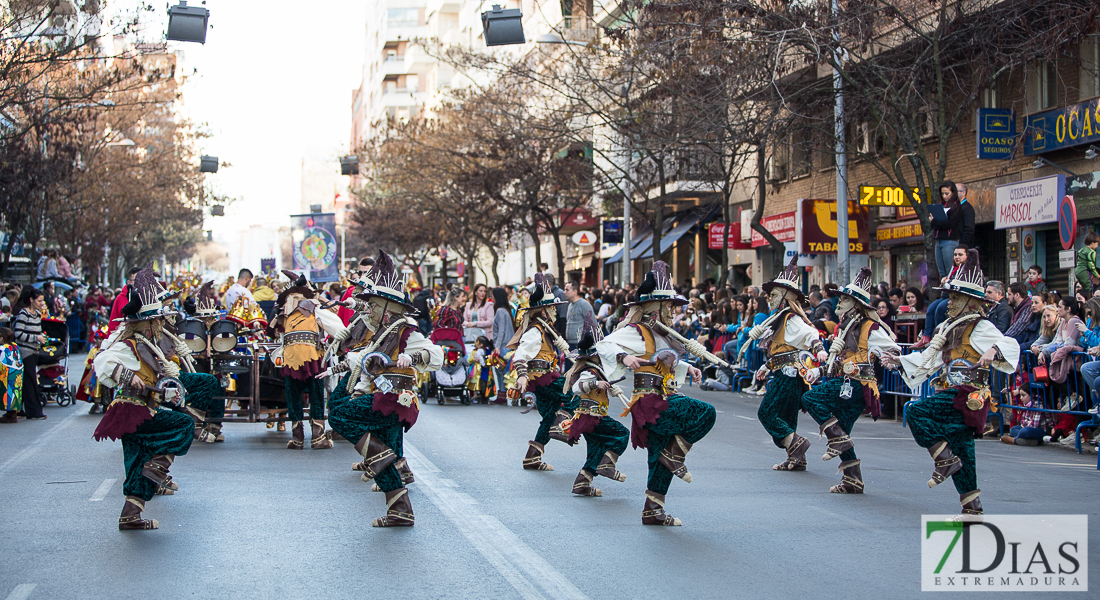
(957, 304)
(843, 306)
(775, 298)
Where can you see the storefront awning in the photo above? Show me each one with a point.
(678, 231)
(635, 245)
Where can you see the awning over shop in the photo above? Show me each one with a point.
(679, 230)
(646, 239)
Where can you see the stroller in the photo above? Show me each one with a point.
(53, 368)
(450, 380)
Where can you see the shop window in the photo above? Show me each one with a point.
(776, 167)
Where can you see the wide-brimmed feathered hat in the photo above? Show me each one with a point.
(299, 285)
(384, 281)
(146, 298)
(860, 288)
(591, 334)
(543, 296)
(789, 279)
(206, 302)
(968, 279)
(657, 287)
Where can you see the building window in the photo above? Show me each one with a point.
(991, 96)
(403, 17)
(1090, 67)
(1043, 90)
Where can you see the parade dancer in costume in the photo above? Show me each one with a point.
(143, 365)
(852, 387)
(605, 437)
(663, 421)
(962, 349)
(538, 370)
(782, 336)
(384, 402)
(302, 323)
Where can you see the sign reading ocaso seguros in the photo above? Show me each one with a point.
(1031, 202)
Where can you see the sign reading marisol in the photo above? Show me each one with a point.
(1031, 202)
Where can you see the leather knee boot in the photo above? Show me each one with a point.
(297, 437)
(533, 460)
(200, 432)
(399, 512)
(403, 470)
(582, 485)
(320, 439)
(947, 464)
(377, 456)
(851, 482)
(606, 468)
(673, 455)
(131, 515)
(971, 504)
(557, 432)
(653, 512)
(838, 441)
(796, 446)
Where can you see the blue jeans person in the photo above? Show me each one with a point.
(1091, 372)
(945, 259)
(937, 313)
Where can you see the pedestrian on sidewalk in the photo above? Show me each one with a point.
(27, 329)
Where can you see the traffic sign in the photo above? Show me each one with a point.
(1067, 222)
(585, 238)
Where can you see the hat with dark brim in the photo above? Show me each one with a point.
(788, 279)
(384, 282)
(967, 279)
(657, 287)
(860, 288)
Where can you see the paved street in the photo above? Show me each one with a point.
(254, 520)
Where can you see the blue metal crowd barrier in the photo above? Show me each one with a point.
(1047, 397)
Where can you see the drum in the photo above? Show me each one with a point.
(223, 336)
(193, 332)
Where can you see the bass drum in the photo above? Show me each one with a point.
(193, 332)
(223, 336)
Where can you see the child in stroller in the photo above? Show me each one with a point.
(450, 380)
(53, 368)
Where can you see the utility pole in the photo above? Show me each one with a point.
(841, 160)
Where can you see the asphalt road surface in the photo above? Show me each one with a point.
(255, 520)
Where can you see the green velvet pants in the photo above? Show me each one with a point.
(690, 418)
(609, 434)
(824, 402)
(355, 417)
(168, 432)
(778, 411)
(202, 389)
(549, 399)
(294, 390)
(935, 419)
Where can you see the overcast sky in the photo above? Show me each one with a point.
(273, 83)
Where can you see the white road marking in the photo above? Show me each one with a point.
(847, 520)
(745, 418)
(526, 570)
(22, 591)
(42, 440)
(101, 491)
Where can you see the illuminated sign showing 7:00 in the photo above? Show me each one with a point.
(874, 195)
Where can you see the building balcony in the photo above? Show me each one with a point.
(403, 97)
(394, 65)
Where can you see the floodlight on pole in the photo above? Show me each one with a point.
(1040, 161)
(188, 23)
(208, 164)
(502, 26)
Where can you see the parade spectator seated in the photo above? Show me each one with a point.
(914, 301)
(821, 310)
(937, 310)
(1058, 351)
(896, 297)
(1026, 316)
(1027, 427)
(999, 314)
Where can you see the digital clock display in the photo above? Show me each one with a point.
(874, 195)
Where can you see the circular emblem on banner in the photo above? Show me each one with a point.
(317, 249)
(1067, 222)
(1029, 243)
(584, 238)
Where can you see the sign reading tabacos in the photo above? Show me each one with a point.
(1031, 202)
